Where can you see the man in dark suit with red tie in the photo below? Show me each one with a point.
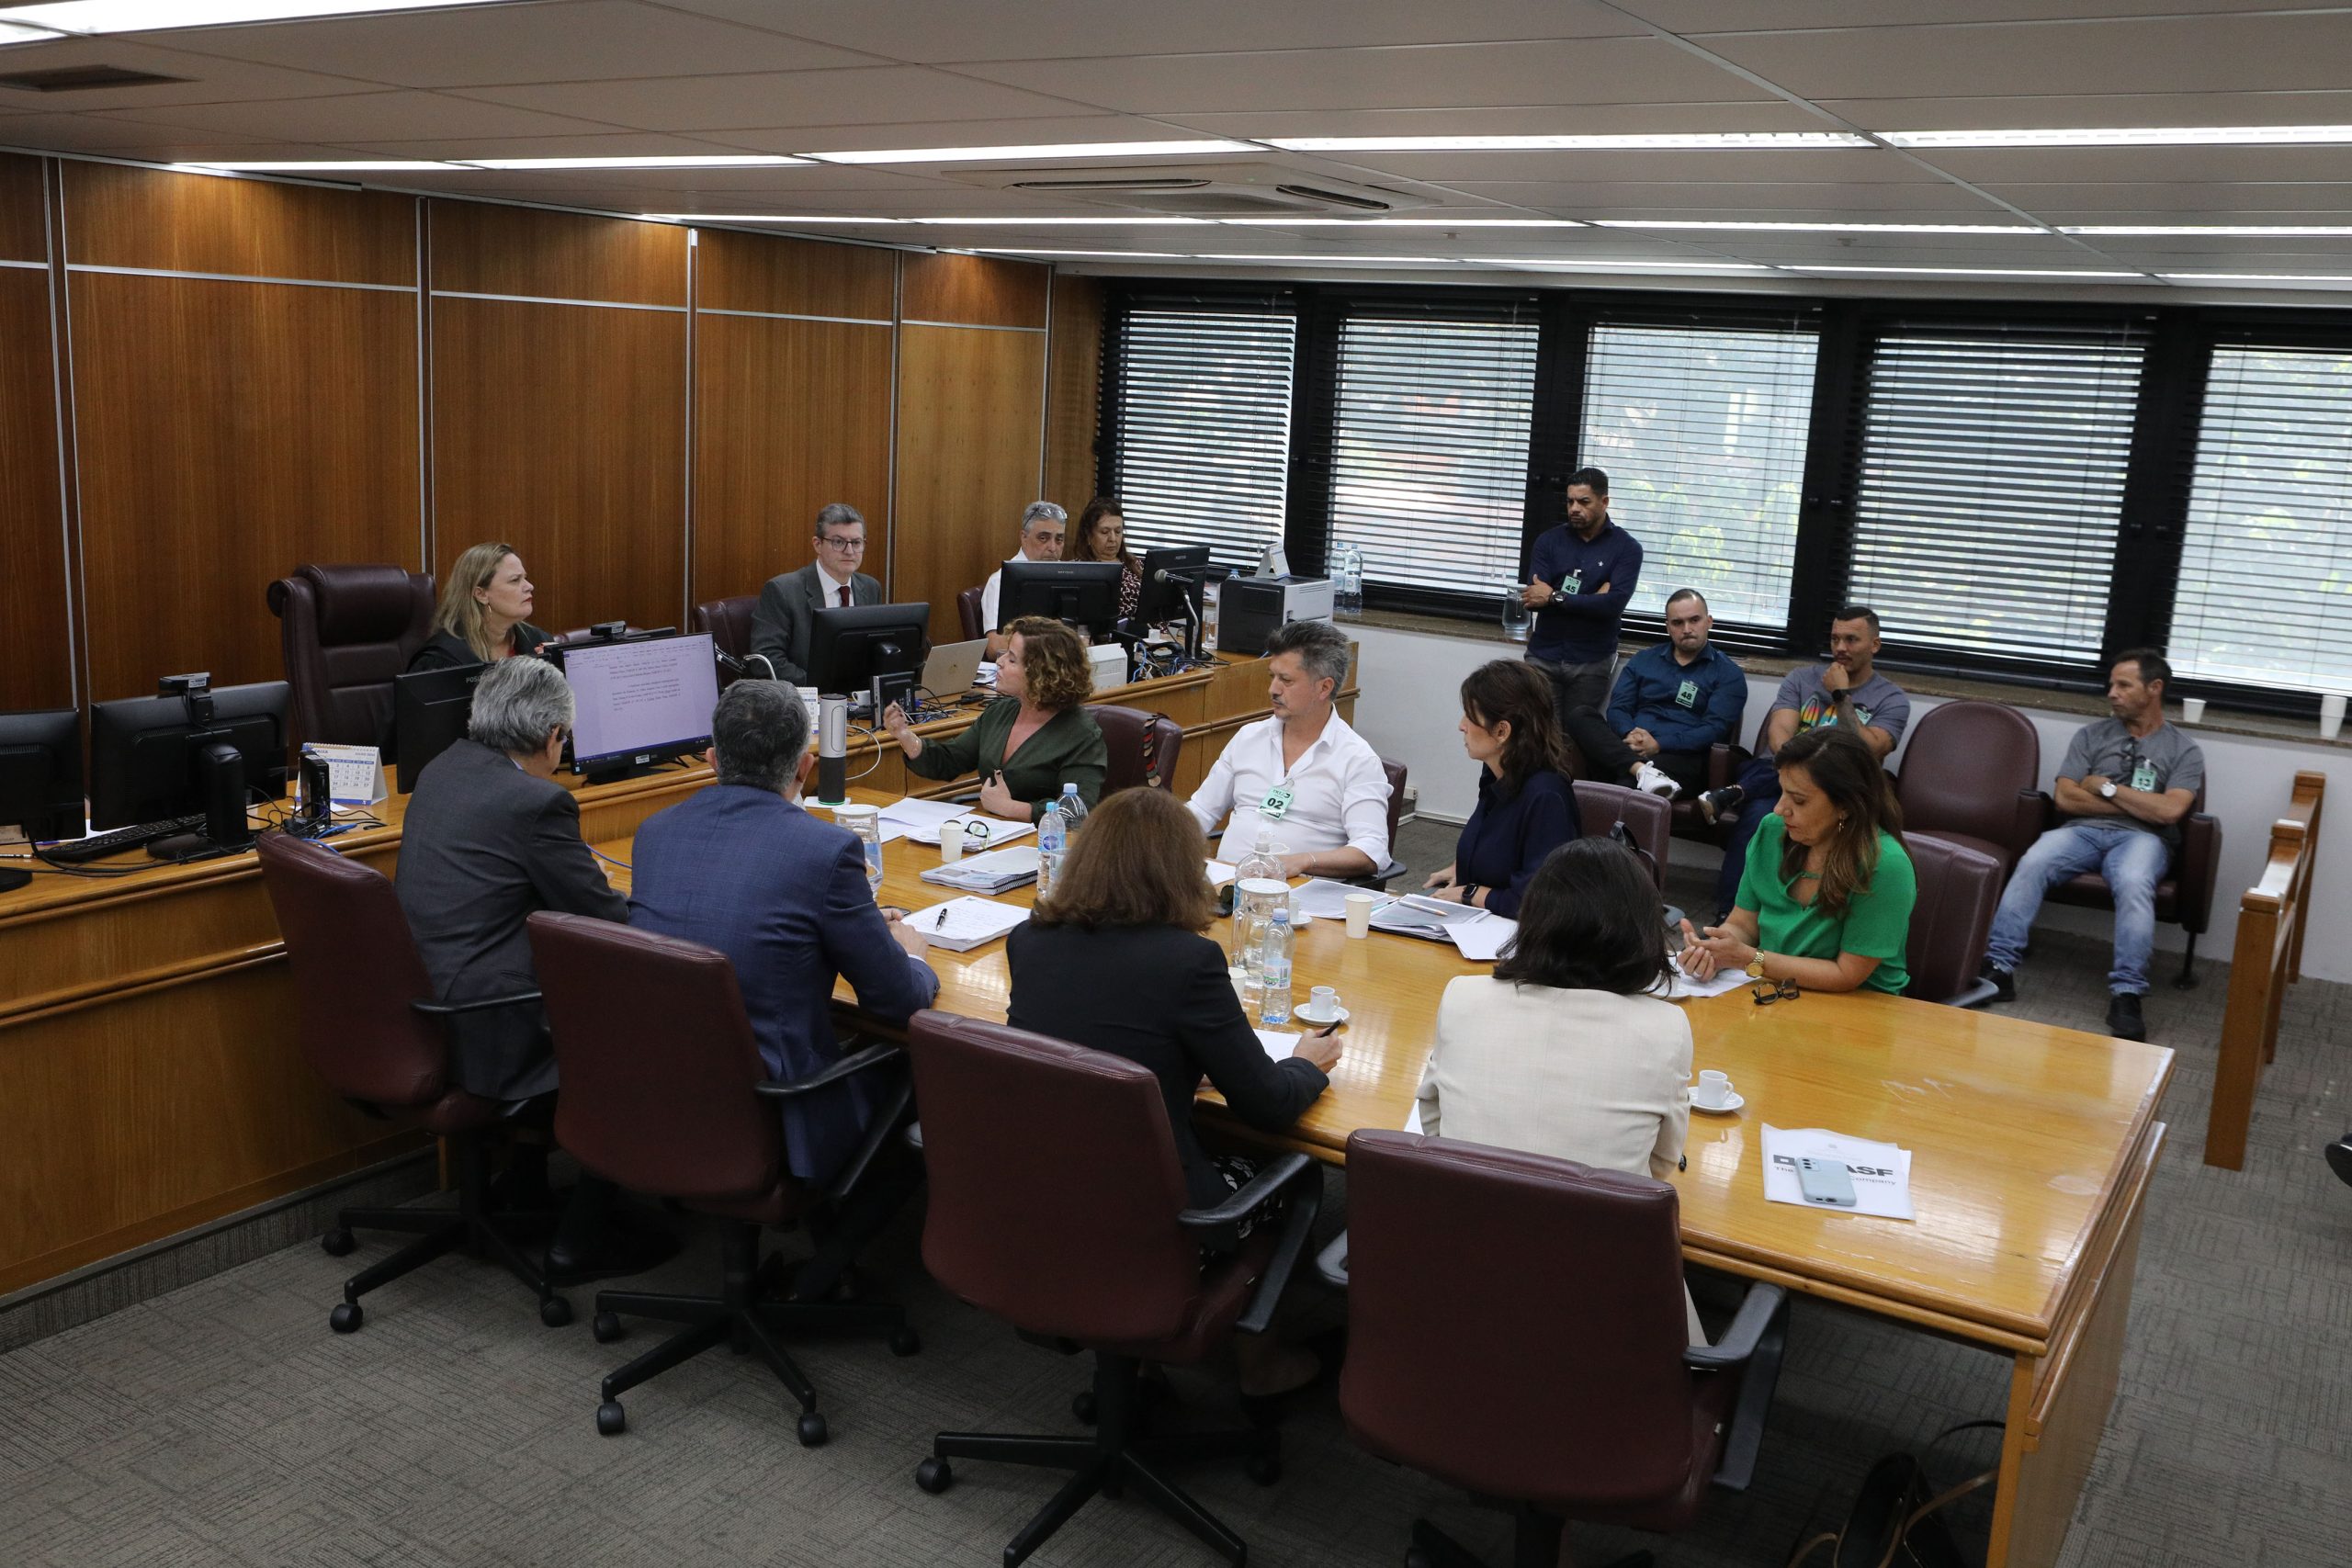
(780, 625)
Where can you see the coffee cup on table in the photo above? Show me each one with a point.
(1713, 1090)
(1324, 1002)
(1359, 908)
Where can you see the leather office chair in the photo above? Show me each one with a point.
(2339, 1157)
(728, 621)
(1392, 868)
(1058, 1203)
(1968, 777)
(1142, 747)
(1649, 821)
(372, 1031)
(1960, 887)
(2184, 892)
(665, 1094)
(346, 632)
(1724, 761)
(1480, 1350)
(967, 610)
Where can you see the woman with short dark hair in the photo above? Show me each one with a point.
(1526, 806)
(1036, 736)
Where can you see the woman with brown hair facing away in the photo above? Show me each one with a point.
(1036, 736)
(1113, 959)
(1826, 901)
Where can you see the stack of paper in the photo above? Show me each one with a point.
(991, 872)
(1882, 1172)
(1220, 873)
(1686, 985)
(1279, 1043)
(1482, 941)
(962, 924)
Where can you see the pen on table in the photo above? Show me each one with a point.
(941, 923)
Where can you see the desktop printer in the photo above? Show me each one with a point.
(1251, 609)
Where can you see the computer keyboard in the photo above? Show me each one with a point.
(98, 847)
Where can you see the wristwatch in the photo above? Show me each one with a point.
(1756, 967)
(1470, 893)
(2107, 790)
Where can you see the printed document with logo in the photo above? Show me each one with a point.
(991, 872)
(1881, 1172)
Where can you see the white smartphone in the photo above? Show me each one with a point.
(1825, 1182)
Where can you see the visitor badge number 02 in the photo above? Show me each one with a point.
(1276, 805)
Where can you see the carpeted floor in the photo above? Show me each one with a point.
(223, 1424)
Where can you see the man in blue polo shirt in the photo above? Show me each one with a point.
(1583, 575)
(1672, 702)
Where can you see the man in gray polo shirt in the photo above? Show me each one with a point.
(2126, 783)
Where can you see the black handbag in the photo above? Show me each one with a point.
(1897, 1518)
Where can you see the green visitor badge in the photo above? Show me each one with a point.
(1687, 695)
(2144, 777)
(1276, 805)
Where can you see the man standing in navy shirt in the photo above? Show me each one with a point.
(1671, 704)
(1584, 574)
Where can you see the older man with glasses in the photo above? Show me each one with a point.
(831, 581)
(1044, 527)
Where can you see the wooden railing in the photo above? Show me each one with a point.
(2268, 959)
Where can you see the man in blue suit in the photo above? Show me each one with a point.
(742, 868)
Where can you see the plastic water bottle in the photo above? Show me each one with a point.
(1073, 812)
(1346, 581)
(1274, 979)
(1053, 839)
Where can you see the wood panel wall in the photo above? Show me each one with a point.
(971, 419)
(35, 591)
(261, 374)
(1074, 390)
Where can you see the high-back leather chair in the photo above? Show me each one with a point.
(1481, 1351)
(728, 621)
(967, 610)
(372, 1031)
(346, 632)
(1649, 821)
(1960, 887)
(1058, 1203)
(664, 1093)
(2184, 892)
(1142, 747)
(1968, 777)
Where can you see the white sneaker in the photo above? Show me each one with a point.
(1649, 779)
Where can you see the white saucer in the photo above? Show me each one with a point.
(1308, 1015)
(1725, 1109)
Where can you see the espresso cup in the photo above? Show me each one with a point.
(1324, 1000)
(1714, 1088)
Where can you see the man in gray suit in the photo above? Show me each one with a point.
(780, 625)
(489, 839)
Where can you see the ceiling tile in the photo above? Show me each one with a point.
(882, 96)
(942, 30)
(1040, 131)
(2180, 203)
(208, 81)
(368, 116)
(129, 139)
(2094, 110)
(577, 40)
(1697, 198)
(1464, 170)
(2138, 166)
(2263, 52)
(1600, 71)
(1746, 16)
(1555, 120)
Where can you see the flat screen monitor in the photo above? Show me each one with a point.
(40, 773)
(156, 757)
(641, 701)
(1171, 577)
(850, 646)
(430, 709)
(1083, 592)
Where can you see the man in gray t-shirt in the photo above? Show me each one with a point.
(2125, 784)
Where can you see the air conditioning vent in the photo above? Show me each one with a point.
(1237, 189)
(83, 79)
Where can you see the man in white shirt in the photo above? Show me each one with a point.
(1302, 774)
(1043, 528)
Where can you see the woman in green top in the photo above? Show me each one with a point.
(1825, 899)
(1036, 736)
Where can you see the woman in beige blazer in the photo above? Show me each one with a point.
(1569, 1049)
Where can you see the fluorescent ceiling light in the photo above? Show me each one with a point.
(1049, 150)
(801, 218)
(657, 160)
(1967, 271)
(2143, 136)
(1336, 259)
(1002, 222)
(156, 16)
(1821, 228)
(2256, 277)
(1406, 223)
(17, 32)
(313, 167)
(1115, 255)
(1639, 142)
(1556, 263)
(2281, 231)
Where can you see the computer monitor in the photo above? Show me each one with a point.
(40, 778)
(430, 710)
(869, 650)
(640, 700)
(1172, 576)
(1083, 592)
(194, 750)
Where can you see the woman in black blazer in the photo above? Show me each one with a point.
(1113, 959)
(485, 613)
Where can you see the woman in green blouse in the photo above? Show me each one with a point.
(1036, 736)
(1825, 899)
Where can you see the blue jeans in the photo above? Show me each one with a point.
(2132, 859)
(1761, 779)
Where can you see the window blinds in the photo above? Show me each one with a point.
(2265, 593)
(1701, 432)
(1991, 487)
(1201, 426)
(1429, 449)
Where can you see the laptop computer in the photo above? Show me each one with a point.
(948, 673)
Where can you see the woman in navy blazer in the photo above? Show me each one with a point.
(1526, 807)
